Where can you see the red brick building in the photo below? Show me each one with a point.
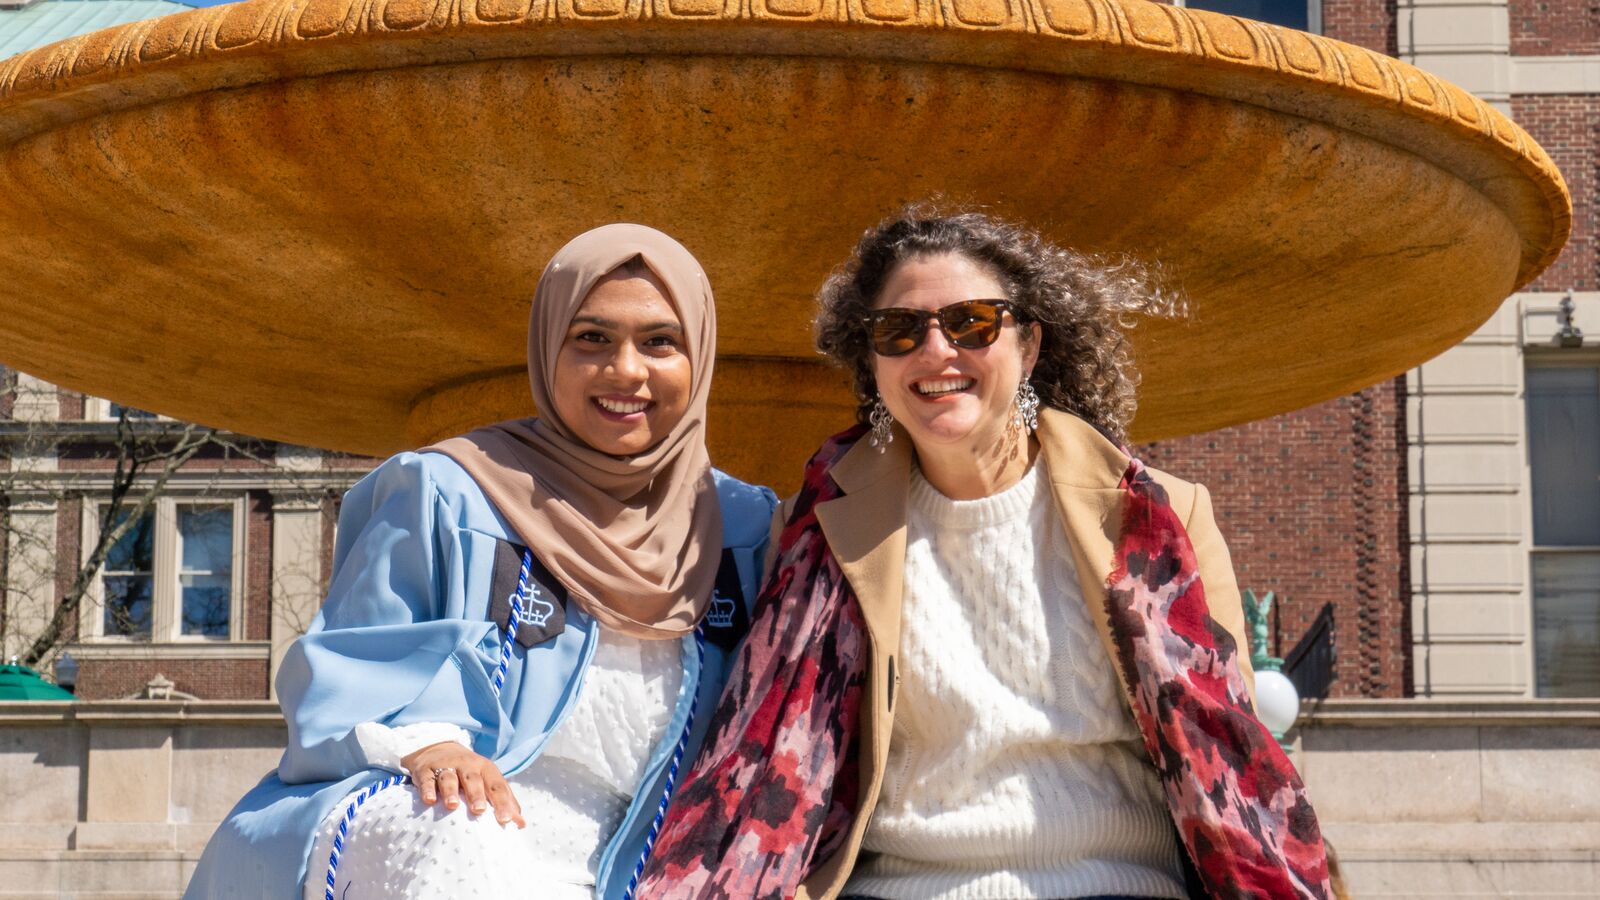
(207, 585)
(1330, 506)
(1343, 509)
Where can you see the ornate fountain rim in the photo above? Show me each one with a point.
(1133, 41)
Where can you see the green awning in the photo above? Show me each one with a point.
(22, 683)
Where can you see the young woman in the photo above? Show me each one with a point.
(998, 657)
(521, 621)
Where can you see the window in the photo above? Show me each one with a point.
(173, 576)
(1306, 15)
(114, 411)
(99, 409)
(1564, 468)
(205, 570)
(128, 580)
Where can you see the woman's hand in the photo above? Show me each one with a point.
(450, 772)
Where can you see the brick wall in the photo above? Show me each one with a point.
(70, 405)
(258, 566)
(5, 565)
(208, 679)
(1555, 27)
(1312, 506)
(69, 539)
(1568, 127)
(1366, 23)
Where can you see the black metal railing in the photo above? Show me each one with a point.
(1310, 664)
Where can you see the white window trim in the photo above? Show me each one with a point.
(1313, 14)
(165, 618)
(98, 409)
(1542, 356)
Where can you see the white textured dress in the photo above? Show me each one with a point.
(573, 797)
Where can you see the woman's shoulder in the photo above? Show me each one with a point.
(1182, 495)
(420, 472)
(746, 510)
(413, 478)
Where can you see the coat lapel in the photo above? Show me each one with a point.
(866, 527)
(866, 531)
(1085, 473)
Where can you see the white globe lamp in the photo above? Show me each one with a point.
(1277, 702)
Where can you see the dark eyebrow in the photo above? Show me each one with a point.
(663, 325)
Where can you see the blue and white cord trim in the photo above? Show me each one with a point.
(672, 774)
(523, 580)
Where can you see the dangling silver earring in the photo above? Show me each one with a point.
(882, 425)
(1026, 412)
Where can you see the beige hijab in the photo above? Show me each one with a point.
(636, 540)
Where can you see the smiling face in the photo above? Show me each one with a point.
(947, 398)
(623, 378)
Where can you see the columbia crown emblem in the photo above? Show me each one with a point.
(721, 613)
(539, 609)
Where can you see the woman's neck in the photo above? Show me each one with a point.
(963, 473)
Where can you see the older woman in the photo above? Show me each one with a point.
(997, 657)
(521, 623)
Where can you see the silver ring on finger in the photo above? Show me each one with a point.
(438, 771)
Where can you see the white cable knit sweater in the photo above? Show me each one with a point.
(1014, 768)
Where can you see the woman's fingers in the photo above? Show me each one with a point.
(506, 807)
(453, 774)
(472, 789)
(449, 787)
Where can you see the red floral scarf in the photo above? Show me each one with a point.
(773, 792)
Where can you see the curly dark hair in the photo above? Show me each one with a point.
(1083, 304)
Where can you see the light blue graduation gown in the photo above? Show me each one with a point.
(405, 637)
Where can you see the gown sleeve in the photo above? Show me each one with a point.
(391, 644)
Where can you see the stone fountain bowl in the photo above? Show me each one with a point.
(321, 221)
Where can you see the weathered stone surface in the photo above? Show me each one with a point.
(320, 220)
(49, 761)
(1421, 798)
(1355, 775)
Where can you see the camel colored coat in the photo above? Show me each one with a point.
(866, 531)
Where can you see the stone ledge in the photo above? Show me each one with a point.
(125, 836)
(98, 874)
(22, 837)
(1449, 713)
(142, 712)
(113, 649)
(1507, 841)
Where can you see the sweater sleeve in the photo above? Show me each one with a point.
(383, 746)
(1216, 573)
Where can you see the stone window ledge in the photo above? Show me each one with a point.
(1449, 713)
(141, 712)
(104, 650)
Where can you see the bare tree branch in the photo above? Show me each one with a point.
(118, 517)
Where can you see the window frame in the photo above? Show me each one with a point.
(1313, 14)
(1544, 358)
(98, 409)
(166, 617)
